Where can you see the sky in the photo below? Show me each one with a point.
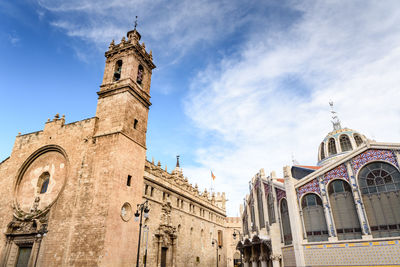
(239, 86)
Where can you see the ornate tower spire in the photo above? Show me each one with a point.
(177, 161)
(335, 119)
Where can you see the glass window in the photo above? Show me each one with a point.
(358, 139)
(379, 184)
(345, 144)
(332, 147)
(322, 151)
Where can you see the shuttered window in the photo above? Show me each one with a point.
(344, 210)
(380, 186)
(314, 218)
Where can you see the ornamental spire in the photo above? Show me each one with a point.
(335, 119)
(177, 161)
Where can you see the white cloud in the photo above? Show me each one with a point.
(269, 99)
(340, 50)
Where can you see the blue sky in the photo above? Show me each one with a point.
(238, 87)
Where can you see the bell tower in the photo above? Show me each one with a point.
(119, 147)
(124, 96)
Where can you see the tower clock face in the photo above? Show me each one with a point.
(40, 182)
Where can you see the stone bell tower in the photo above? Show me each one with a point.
(124, 96)
(120, 144)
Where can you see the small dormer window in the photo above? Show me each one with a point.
(358, 140)
(332, 147)
(345, 144)
(43, 182)
(117, 71)
(322, 151)
(139, 79)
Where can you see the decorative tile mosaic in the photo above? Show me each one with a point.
(382, 253)
(373, 154)
(338, 172)
(311, 186)
(280, 194)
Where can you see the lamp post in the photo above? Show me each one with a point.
(41, 233)
(214, 241)
(240, 237)
(144, 208)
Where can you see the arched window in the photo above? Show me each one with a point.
(260, 208)
(345, 144)
(322, 151)
(140, 73)
(43, 182)
(332, 147)
(314, 218)
(358, 139)
(287, 231)
(271, 210)
(117, 70)
(344, 210)
(380, 186)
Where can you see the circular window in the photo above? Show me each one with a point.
(126, 211)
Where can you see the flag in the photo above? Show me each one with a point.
(212, 176)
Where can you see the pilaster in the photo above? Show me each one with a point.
(294, 216)
(359, 204)
(327, 211)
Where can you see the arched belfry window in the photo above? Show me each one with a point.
(358, 139)
(314, 218)
(332, 147)
(322, 151)
(117, 70)
(43, 182)
(380, 187)
(140, 74)
(287, 232)
(344, 210)
(345, 144)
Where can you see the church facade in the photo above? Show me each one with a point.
(343, 212)
(68, 193)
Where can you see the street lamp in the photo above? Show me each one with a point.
(240, 237)
(214, 241)
(144, 208)
(41, 233)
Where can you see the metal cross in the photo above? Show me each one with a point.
(135, 22)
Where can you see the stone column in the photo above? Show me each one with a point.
(275, 260)
(362, 217)
(5, 252)
(173, 247)
(264, 263)
(294, 216)
(327, 210)
(246, 256)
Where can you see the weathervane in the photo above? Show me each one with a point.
(135, 22)
(335, 121)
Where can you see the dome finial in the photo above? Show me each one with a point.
(335, 119)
